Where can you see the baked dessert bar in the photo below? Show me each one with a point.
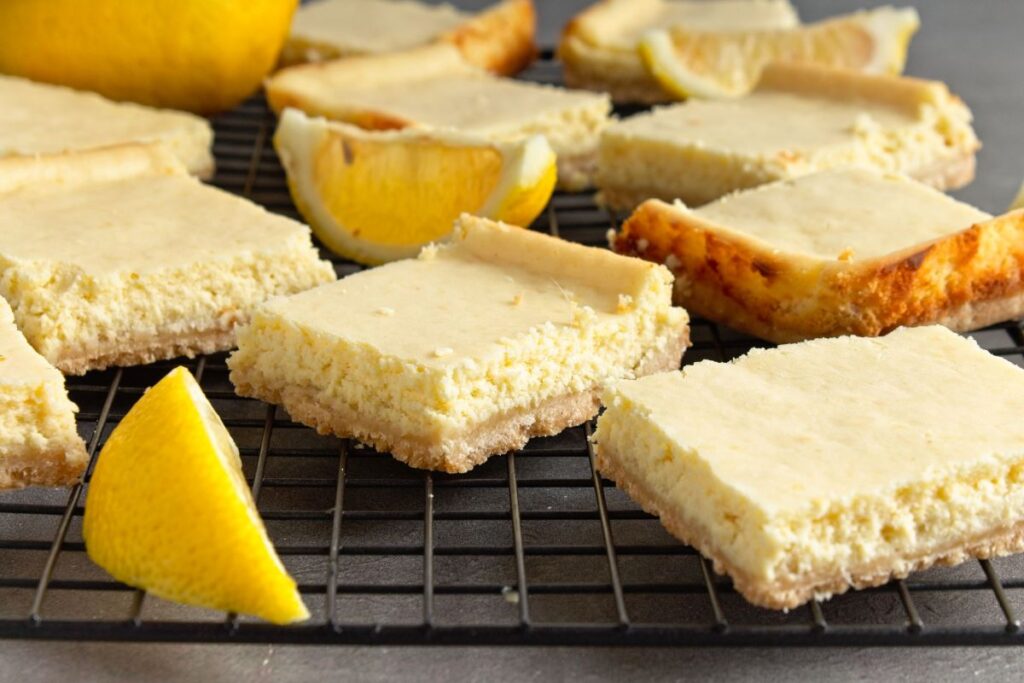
(802, 118)
(812, 468)
(499, 39)
(468, 350)
(434, 86)
(847, 251)
(599, 46)
(119, 257)
(39, 443)
(38, 118)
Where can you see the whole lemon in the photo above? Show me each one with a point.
(201, 55)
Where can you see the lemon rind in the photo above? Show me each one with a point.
(891, 30)
(525, 162)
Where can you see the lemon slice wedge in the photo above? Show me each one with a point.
(377, 196)
(728, 64)
(168, 510)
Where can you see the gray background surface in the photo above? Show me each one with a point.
(973, 46)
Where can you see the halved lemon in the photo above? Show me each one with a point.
(728, 64)
(377, 196)
(168, 510)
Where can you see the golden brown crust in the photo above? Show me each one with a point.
(793, 591)
(501, 39)
(966, 280)
(138, 351)
(502, 433)
(60, 465)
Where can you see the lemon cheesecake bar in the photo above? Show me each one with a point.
(38, 118)
(808, 469)
(847, 251)
(466, 351)
(499, 39)
(434, 87)
(802, 118)
(118, 257)
(599, 47)
(39, 444)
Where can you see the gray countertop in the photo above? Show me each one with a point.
(973, 46)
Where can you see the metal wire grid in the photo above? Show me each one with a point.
(530, 548)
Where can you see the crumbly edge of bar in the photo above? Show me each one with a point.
(576, 172)
(61, 464)
(500, 434)
(205, 338)
(794, 591)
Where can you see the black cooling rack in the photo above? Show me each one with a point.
(530, 548)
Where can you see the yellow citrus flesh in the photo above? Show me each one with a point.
(199, 55)
(168, 510)
(379, 196)
(728, 64)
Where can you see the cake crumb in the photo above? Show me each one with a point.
(517, 300)
(642, 244)
(385, 311)
(428, 253)
(846, 254)
(672, 262)
(610, 236)
(442, 351)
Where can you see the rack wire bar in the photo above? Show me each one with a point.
(534, 548)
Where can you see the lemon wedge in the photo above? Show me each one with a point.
(728, 64)
(168, 510)
(377, 196)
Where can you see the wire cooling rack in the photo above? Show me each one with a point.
(530, 548)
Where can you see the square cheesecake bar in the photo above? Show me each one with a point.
(808, 469)
(801, 118)
(435, 87)
(847, 251)
(468, 350)
(118, 257)
(39, 443)
(499, 39)
(38, 118)
(599, 47)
